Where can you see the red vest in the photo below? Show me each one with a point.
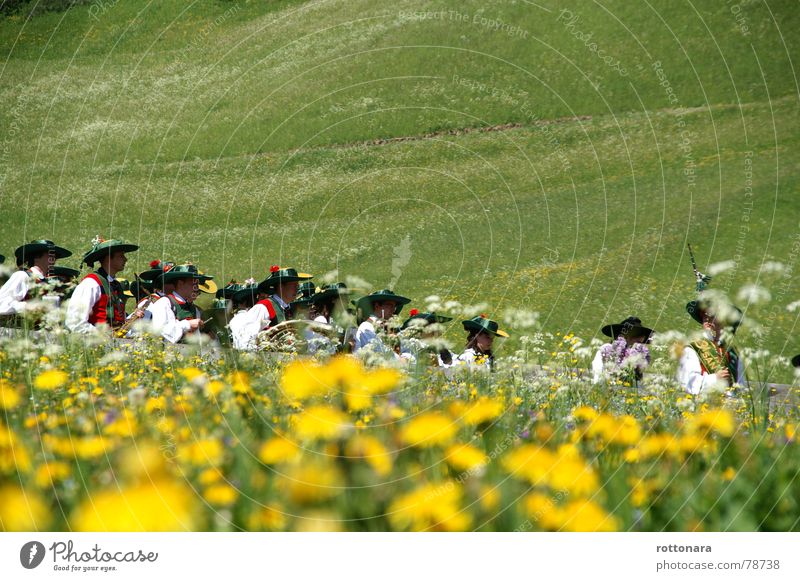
(109, 309)
(270, 310)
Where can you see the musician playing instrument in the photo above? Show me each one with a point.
(97, 300)
(174, 316)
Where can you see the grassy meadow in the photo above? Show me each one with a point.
(353, 136)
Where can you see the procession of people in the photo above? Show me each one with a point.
(287, 303)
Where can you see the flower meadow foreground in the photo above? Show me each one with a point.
(131, 436)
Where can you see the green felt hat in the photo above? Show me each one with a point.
(182, 271)
(126, 287)
(64, 272)
(141, 288)
(364, 304)
(157, 268)
(36, 247)
(305, 294)
(630, 327)
(278, 275)
(698, 308)
(229, 290)
(796, 361)
(430, 318)
(102, 248)
(2, 259)
(483, 324)
(247, 293)
(330, 292)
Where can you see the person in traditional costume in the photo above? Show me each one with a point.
(35, 260)
(63, 280)
(417, 332)
(328, 299)
(711, 362)
(481, 332)
(627, 356)
(281, 288)
(376, 309)
(174, 316)
(97, 300)
(302, 306)
(243, 300)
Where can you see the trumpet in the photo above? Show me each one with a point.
(137, 314)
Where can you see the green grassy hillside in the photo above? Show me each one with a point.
(239, 134)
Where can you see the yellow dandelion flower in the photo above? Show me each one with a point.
(320, 422)
(431, 507)
(585, 414)
(729, 474)
(157, 506)
(587, 516)
(51, 379)
(543, 511)
(381, 380)
(490, 498)
(311, 482)
(202, 452)
(278, 450)
(466, 457)
(530, 462)
(268, 518)
(49, 473)
(240, 383)
(13, 455)
(483, 410)
(372, 451)
(573, 475)
(715, 421)
(221, 494)
(303, 378)
(428, 430)
(9, 397)
(22, 510)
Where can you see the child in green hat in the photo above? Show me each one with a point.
(481, 333)
(175, 316)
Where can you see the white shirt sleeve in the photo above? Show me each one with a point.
(244, 327)
(84, 297)
(164, 321)
(365, 334)
(690, 373)
(13, 293)
(597, 367)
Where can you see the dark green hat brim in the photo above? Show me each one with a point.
(615, 331)
(37, 247)
(696, 310)
(65, 271)
(95, 255)
(431, 318)
(245, 294)
(472, 325)
(796, 361)
(329, 294)
(364, 304)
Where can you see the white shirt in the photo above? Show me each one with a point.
(165, 322)
(12, 295)
(366, 335)
(470, 356)
(246, 325)
(80, 305)
(692, 377)
(597, 366)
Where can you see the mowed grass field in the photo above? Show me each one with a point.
(552, 156)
